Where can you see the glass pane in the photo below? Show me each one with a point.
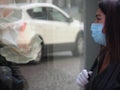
(48, 50)
(57, 16)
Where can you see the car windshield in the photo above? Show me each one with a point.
(10, 15)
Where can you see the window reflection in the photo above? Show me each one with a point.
(61, 45)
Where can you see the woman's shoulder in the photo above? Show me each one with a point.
(99, 58)
(115, 67)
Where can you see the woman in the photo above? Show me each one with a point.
(105, 72)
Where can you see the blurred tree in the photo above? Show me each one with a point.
(74, 2)
(55, 2)
(82, 9)
(22, 1)
(59, 3)
(68, 3)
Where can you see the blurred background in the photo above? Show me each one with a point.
(59, 70)
(74, 7)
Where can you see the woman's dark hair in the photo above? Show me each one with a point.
(111, 9)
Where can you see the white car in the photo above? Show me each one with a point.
(56, 30)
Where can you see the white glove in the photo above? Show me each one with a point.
(82, 78)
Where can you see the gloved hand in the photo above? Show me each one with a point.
(82, 78)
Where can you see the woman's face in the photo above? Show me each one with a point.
(100, 18)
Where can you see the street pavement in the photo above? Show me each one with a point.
(54, 73)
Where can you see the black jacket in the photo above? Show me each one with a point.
(109, 79)
(13, 80)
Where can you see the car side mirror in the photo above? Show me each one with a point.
(70, 19)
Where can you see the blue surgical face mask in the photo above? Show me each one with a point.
(97, 34)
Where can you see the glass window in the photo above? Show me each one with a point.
(53, 59)
(38, 13)
(56, 15)
(46, 13)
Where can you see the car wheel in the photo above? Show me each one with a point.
(79, 46)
